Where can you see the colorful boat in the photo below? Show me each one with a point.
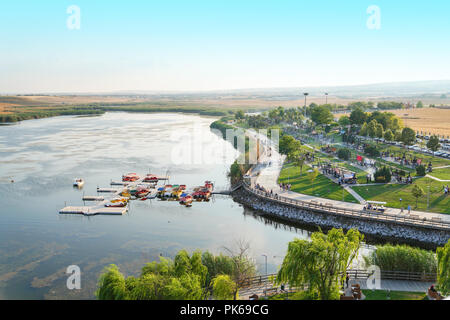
(119, 204)
(151, 178)
(130, 177)
(78, 182)
(186, 200)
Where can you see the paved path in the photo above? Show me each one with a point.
(267, 172)
(437, 179)
(392, 285)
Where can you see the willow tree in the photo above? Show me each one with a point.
(111, 285)
(224, 287)
(321, 263)
(443, 257)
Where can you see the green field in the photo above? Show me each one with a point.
(392, 194)
(322, 186)
(393, 295)
(443, 174)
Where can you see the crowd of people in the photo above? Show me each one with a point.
(285, 187)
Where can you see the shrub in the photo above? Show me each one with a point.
(371, 151)
(402, 258)
(383, 175)
(344, 154)
(420, 170)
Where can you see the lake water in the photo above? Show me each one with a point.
(44, 156)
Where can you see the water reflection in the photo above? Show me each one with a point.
(43, 157)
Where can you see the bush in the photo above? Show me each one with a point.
(383, 175)
(420, 170)
(402, 258)
(344, 154)
(371, 151)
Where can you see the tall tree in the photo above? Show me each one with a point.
(243, 265)
(433, 144)
(320, 263)
(358, 116)
(223, 287)
(408, 136)
(417, 192)
(443, 278)
(111, 284)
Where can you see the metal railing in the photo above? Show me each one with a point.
(328, 208)
(353, 274)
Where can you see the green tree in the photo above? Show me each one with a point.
(419, 105)
(344, 154)
(379, 130)
(433, 144)
(364, 130)
(288, 144)
(224, 287)
(417, 192)
(372, 128)
(388, 136)
(320, 263)
(239, 115)
(408, 136)
(321, 115)
(111, 284)
(344, 121)
(443, 276)
(358, 116)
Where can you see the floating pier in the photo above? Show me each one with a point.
(107, 190)
(93, 198)
(94, 210)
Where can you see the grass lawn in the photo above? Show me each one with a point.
(443, 174)
(394, 295)
(392, 194)
(322, 186)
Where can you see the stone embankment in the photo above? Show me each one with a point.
(373, 228)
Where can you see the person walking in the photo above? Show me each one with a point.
(347, 278)
(409, 209)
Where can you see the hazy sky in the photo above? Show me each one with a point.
(207, 45)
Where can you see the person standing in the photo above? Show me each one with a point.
(409, 209)
(347, 278)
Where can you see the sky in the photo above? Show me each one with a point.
(219, 44)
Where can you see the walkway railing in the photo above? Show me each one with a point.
(328, 208)
(354, 274)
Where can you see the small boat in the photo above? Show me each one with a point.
(150, 195)
(117, 200)
(186, 200)
(130, 177)
(78, 182)
(151, 178)
(119, 204)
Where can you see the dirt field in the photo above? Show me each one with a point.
(428, 120)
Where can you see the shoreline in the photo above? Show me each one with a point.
(427, 238)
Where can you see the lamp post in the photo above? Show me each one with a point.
(326, 97)
(305, 94)
(265, 256)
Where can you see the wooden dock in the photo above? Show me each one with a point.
(93, 198)
(107, 190)
(94, 210)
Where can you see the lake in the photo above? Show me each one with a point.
(44, 156)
